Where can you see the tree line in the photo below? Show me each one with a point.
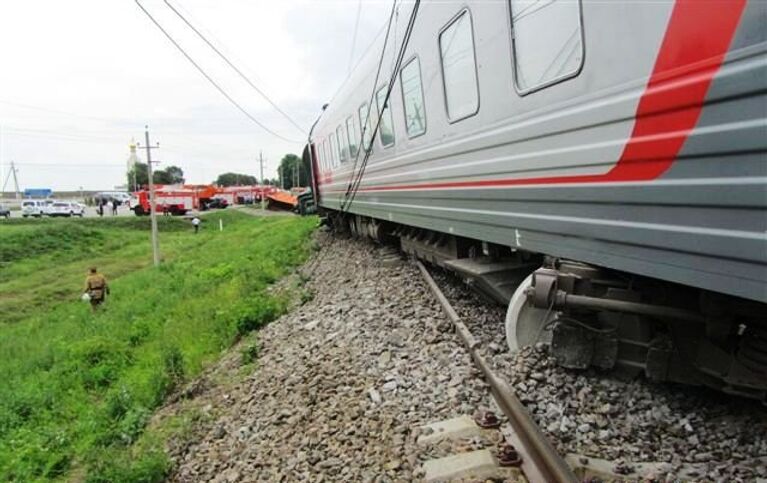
(139, 175)
(292, 171)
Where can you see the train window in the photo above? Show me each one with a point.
(324, 161)
(412, 98)
(542, 59)
(333, 153)
(459, 68)
(386, 126)
(351, 129)
(343, 147)
(365, 128)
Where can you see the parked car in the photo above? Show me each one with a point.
(216, 203)
(47, 206)
(109, 196)
(5, 212)
(36, 208)
(66, 208)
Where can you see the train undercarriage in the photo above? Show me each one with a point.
(597, 317)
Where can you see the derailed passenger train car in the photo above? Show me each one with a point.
(600, 166)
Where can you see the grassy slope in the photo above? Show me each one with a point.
(77, 389)
(44, 261)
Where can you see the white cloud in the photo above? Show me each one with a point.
(81, 78)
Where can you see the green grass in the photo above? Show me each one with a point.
(78, 388)
(44, 261)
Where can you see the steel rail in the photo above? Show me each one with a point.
(541, 462)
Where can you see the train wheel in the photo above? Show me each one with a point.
(525, 324)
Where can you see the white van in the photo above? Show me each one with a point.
(36, 208)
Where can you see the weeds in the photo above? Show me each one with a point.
(249, 353)
(79, 388)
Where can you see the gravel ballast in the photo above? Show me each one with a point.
(716, 436)
(341, 383)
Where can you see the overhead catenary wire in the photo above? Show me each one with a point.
(365, 124)
(354, 37)
(67, 136)
(210, 79)
(357, 180)
(234, 67)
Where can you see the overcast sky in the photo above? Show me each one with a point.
(80, 78)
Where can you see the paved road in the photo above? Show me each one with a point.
(90, 212)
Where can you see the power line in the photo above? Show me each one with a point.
(357, 180)
(61, 113)
(210, 79)
(78, 166)
(360, 58)
(239, 72)
(354, 37)
(365, 124)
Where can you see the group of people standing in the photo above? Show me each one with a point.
(102, 203)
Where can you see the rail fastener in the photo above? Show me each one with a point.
(541, 461)
(487, 420)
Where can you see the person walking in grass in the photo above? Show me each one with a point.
(196, 224)
(96, 287)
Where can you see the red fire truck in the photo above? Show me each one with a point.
(169, 199)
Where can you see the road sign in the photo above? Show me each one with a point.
(38, 192)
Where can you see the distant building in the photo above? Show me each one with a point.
(132, 160)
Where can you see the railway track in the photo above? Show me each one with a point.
(538, 459)
(615, 426)
(367, 381)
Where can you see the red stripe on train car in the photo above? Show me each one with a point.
(694, 46)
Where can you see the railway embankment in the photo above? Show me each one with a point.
(347, 385)
(342, 384)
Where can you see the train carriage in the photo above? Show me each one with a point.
(601, 166)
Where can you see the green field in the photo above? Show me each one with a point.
(78, 388)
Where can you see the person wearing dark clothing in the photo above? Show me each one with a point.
(114, 207)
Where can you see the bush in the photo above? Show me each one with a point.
(139, 332)
(99, 361)
(252, 316)
(150, 467)
(173, 364)
(249, 353)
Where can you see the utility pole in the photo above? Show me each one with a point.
(2, 160)
(263, 185)
(12, 172)
(152, 200)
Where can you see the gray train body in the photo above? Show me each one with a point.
(629, 136)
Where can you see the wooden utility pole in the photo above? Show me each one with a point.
(263, 184)
(152, 200)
